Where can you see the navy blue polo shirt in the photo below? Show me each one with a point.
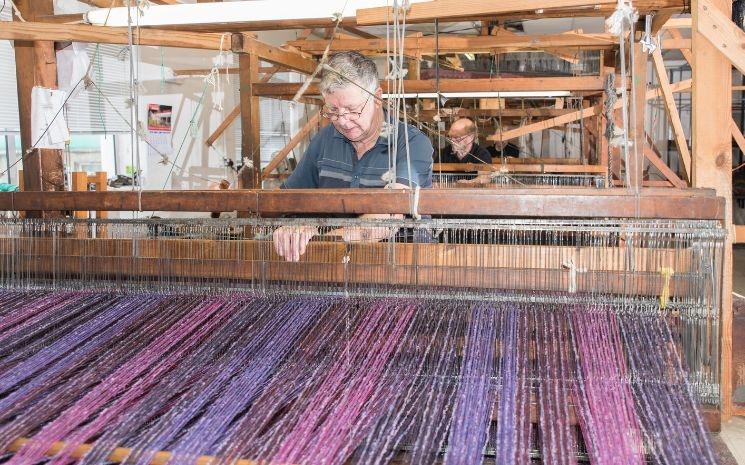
(331, 161)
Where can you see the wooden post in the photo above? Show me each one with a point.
(250, 119)
(711, 162)
(79, 183)
(635, 165)
(36, 64)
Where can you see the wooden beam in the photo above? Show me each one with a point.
(505, 112)
(651, 153)
(464, 44)
(601, 10)
(234, 113)
(518, 202)
(36, 65)
(202, 71)
(245, 43)
(107, 35)
(721, 32)
(299, 136)
(677, 23)
(737, 135)
(675, 44)
(572, 84)
(454, 9)
(576, 115)
(250, 119)
(672, 112)
(712, 143)
(659, 21)
(540, 168)
(686, 52)
(358, 32)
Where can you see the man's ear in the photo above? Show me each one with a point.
(379, 96)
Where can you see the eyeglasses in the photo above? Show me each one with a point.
(460, 139)
(349, 115)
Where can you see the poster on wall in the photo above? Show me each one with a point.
(159, 127)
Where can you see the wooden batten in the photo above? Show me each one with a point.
(518, 202)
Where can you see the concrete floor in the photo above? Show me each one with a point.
(733, 435)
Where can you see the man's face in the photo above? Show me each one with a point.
(355, 109)
(461, 141)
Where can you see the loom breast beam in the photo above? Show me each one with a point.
(542, 203)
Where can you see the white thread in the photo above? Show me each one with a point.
(573, 270)
(415, 205)
(624, 14)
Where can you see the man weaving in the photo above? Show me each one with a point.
(353, 151)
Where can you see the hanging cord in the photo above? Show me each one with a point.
(624, 16)
(337, 18)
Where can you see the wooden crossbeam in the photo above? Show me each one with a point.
(571, 56)
(659, 21)
(539, 167)
(686, 52)
(577, 115)
(358, 32)
(245, 43)
(463, 44)
(241, 43)
(299, 136)
(453, 9)
(223, 126)
(672, 111)
(737, 135)
(651, 154)
(506, 112)
(677, 23)
(106, 35)
(722, 33)
(576, 83)
(518, 202)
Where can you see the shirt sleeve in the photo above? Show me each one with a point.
(420, 156)
(305, 175)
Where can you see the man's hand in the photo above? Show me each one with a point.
(290, 241)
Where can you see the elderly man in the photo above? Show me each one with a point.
(353, 151)
(463, 148)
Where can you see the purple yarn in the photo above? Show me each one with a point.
(268, 349)
(513, 420)
(670, 421)
(188, 330)
(554, 386)
(322, 380)
(475, 399)
(605, 406)
(94, 332)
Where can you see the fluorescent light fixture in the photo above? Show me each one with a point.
(231, 12)
(506, 94)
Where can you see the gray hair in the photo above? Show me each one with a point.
(350, 66)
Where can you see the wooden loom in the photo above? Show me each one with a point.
(708, 164)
